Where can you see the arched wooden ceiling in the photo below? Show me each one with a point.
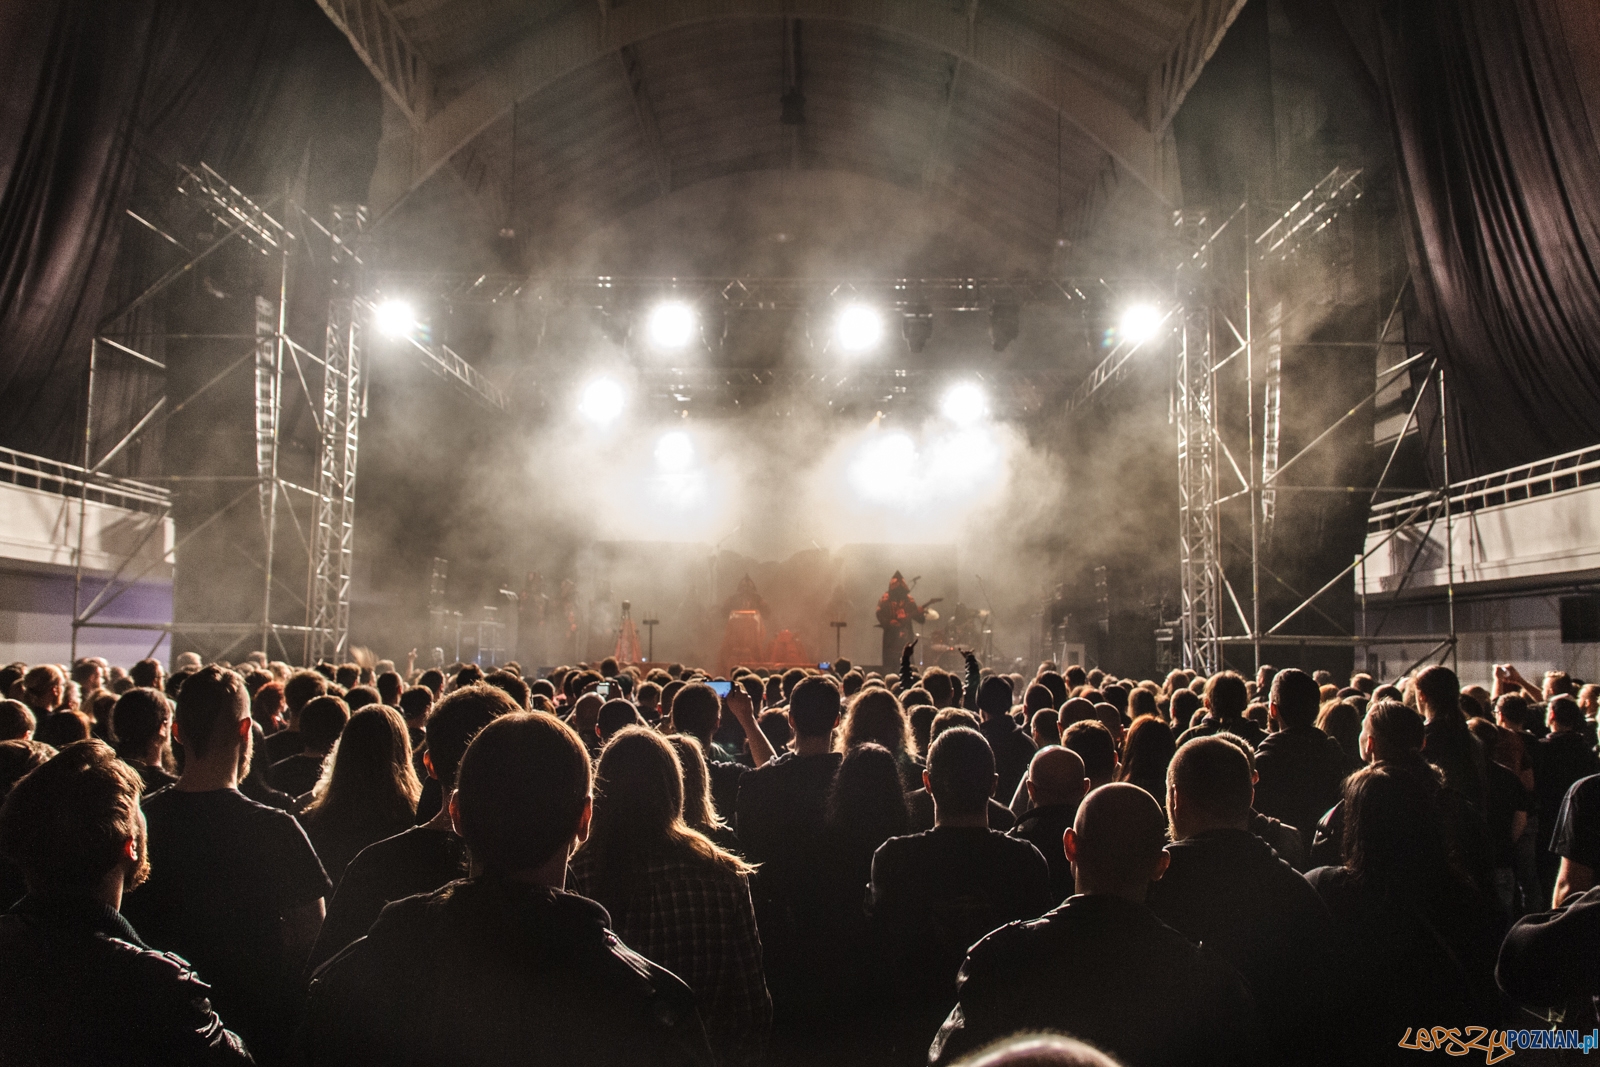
(556, 116)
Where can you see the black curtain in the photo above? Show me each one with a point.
(1494, 111)
(100, 99)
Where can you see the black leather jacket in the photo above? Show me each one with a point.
(488, 972)
(78, 987)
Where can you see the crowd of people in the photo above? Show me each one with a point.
(639, 864)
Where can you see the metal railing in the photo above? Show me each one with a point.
(68, 479)
(1557, 474)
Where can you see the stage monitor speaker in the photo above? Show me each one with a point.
(1580, 619)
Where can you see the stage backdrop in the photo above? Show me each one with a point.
(687, 587)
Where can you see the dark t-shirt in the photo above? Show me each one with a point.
(296, 775)
(155, 778)
(935, 894)
(781, 805)
(1577, 830)
(1012, 748)
(725, 778)
(1210, 724)
(281, 745)
(224, 871)
(1558, 761)
(920, 802)
(420, 860)
(1505, 796)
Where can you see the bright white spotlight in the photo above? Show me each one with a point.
(1140, 323)
(674, 452)
(601, 402)
(965, 403)
(394, 318)
(672, 325)
(859, 328)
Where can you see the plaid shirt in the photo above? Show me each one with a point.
(693, 916)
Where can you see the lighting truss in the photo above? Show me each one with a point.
(334, 385)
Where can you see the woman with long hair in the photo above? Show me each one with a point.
(673, 894)
(1421, 937)
(368, 790)
(875, 716)
(1341, 721)
(699, 810)
(1147, 749)
(866, 806)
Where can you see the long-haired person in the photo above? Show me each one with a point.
(1421, 936)
(699, 810)
(368, 789)
(875, 716)
(672, 893)
(1147, 751)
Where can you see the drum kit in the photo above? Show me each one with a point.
(962, 628)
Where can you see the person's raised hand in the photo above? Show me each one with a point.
(739, 703)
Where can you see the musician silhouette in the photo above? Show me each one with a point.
(897, 612)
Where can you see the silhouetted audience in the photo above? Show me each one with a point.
(672, 893)
(1419, 936)
(935, 893)
(802, 887)
(321, 722)
(235, 887)
(1298, 767)
(506, 966)
(368, 790)
(1102, 966)
(1055, 785)
(1227, 889)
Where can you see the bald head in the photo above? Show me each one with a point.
(1038, 1050)
(1117, 844)
(1056, 776)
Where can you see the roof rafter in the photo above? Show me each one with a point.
(377, 37)
(1172, 80)
(588, 34)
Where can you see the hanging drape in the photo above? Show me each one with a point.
(99, 98)
(1495, 110)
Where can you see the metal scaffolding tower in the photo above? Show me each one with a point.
(1212, 323)
(333, 532)
(1195, 417)
(319, 520)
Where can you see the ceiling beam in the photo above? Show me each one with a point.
(1172, 80)
(377, 37)
(936, 169)
(649, 128)
(587, 34)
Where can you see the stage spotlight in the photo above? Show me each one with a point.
(917, 326)
(674, 451)
(1005, 322)
(859, 328)
(965, 403)
(394, 318)
(601, 402)
(1139, 323)
(672, 325)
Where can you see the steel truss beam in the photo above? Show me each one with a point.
(745, 292)
(337, 402)
(1211, 299)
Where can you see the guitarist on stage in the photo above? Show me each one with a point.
(896, 613)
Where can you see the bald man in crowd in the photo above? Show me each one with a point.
(1055, 786)
(1101, 966)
